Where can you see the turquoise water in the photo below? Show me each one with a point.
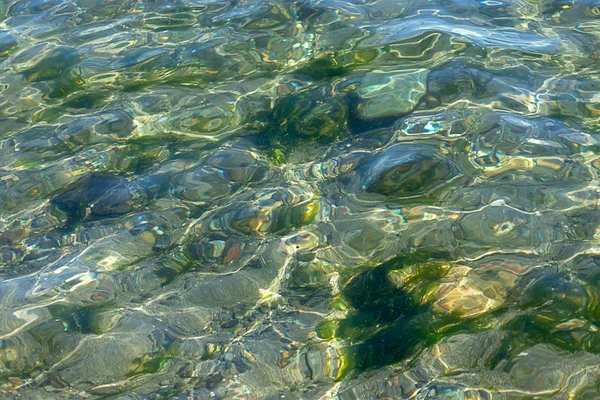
(312, 199)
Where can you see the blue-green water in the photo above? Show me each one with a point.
(311, 199)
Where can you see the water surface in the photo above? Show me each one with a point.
(312, 199)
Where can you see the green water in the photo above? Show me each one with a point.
(311, 199)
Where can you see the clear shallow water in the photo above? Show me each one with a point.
(310, 199)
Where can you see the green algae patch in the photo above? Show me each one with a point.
(420, 280)
(338, 64)
(326, 329)
(309, 116)
(147, 365)
(390, 311)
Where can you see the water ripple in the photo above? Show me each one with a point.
(319, 199)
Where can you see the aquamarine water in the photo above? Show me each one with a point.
(310, 199)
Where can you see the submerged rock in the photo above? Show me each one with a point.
(407, 170)
(312, 114)
(8, 43)
(200, 185)
(98, 194)
(386, 94)
(274, 211)
(47, 62)
(222, 173)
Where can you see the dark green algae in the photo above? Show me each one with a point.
(390, 321)
(386, 322)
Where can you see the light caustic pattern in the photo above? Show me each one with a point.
(311, 199)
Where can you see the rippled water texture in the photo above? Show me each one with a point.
(311, 199)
